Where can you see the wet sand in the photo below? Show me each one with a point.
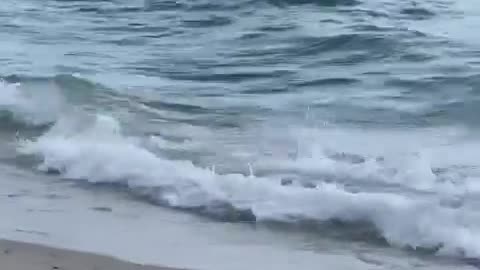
(25, 256)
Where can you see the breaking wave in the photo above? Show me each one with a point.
(421, 203)
(98, 153)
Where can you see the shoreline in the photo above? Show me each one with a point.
(15, 255)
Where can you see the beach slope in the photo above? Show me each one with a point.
(25, 256)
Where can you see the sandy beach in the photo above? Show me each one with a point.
(26, 256)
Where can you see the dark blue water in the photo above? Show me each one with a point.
(355, 119)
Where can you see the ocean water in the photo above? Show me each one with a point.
(310, 128)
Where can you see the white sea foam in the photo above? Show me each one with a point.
(96, 151)
(34, 106)
(432, 205)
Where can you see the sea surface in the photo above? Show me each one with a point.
(247, 134)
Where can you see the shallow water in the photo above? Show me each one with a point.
(350, 121)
